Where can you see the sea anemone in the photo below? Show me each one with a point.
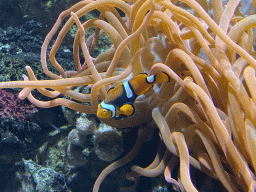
(206, 114)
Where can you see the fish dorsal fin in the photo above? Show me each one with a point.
(161, 77)
(114, 93)
(110, 90)
(139, 84)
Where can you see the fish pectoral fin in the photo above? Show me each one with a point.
(127, 109)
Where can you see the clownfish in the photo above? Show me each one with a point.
(120, 99)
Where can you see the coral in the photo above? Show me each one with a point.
(9, 140)
(12, 107)
(18, 139)
(12, 66)
(45, 179)
(89, 135)
(86, 125)
(108, 143)
(23, 39)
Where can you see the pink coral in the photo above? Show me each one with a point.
(13, 107)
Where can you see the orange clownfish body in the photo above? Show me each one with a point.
(119, 101)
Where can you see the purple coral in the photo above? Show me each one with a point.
(13, 107)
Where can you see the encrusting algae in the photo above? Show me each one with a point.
(206, 113)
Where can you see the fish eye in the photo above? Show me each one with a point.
(105, 111)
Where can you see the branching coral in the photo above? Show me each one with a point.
(12, 107)
(207, 113)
